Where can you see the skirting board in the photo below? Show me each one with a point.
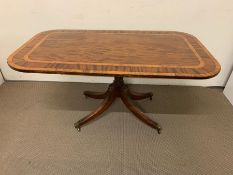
(228, 91)
(1, 78)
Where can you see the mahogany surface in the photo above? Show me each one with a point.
(116, 53)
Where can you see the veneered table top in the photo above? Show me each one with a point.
(116, 53)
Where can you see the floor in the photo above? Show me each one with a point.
(37, 136)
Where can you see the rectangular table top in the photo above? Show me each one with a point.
(116, 53)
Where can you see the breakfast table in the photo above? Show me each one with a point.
(118, 54)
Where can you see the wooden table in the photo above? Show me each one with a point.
(119, 54)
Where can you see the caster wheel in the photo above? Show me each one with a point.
(159, 129)
(77, 127)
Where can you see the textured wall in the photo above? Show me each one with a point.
(209, 20)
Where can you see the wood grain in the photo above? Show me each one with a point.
(164, 54)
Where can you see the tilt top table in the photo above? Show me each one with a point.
(157, 54)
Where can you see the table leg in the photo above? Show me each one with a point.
(117, 89)
(139, 96)
(95, 95)
(110, 97)
(138, 113)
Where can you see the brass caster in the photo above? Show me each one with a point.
(79, 129)
(76, 125)
(159, 129)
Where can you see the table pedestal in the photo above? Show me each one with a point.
(117, 89)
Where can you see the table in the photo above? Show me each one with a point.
(155, 54)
